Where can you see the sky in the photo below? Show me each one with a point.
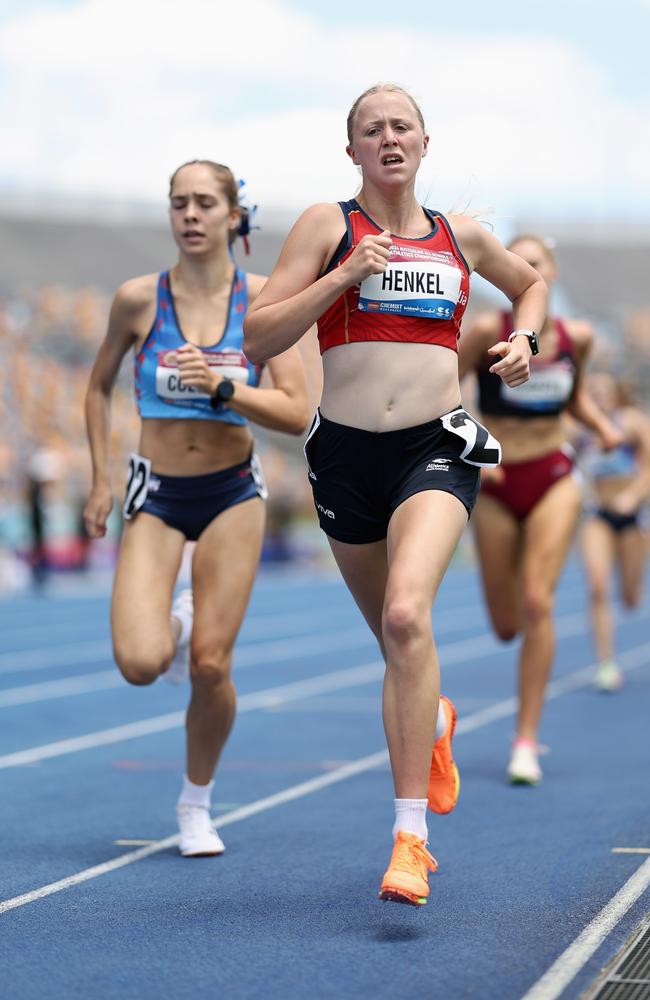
(533, 108)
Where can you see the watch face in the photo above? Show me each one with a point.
(225, 389)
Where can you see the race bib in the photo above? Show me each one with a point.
(416, 282)
(137, 485)
(169, 386)
(480, 448)
(547, 388)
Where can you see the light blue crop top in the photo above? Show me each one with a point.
(158, 389)
(620, 461)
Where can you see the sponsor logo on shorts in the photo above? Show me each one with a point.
(312, 475)
(154, 484)
(438, 465)
(327, 513)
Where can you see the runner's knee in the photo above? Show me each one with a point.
(142, 666)
(506, 628)
(210, 665)
(598, 590)
(537, 604)
(404, 623)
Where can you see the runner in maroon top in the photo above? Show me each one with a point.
(527, 510)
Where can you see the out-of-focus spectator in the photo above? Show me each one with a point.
(45, 468)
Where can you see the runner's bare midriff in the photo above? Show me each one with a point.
(193, 447)
(608, 487)
(523, 440)
(379, 386)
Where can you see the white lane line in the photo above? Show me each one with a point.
(469, 724)
(631, 659)
(262, 805)
(568, 965)
(484, 645)
(257, 654)
(102, 680)
(264, 626)
(269, 698)
(452, 652)
(88, 652)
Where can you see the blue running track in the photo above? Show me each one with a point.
(97, 902)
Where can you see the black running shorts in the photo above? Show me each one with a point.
(359, 477)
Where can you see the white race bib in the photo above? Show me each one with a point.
(547, 387)
(229, 364)
(427, 284)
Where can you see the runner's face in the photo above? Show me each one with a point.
(535, 255)
(387, 140)
(199, 211)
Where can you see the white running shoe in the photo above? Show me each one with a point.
(524, 768)
(609, 676)
(199, 839)
(183, 609)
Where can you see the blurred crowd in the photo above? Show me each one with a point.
(625, 354)
(48, 340)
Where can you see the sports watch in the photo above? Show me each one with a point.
(532, 339)
(224, 391)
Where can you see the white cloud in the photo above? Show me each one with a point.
(108, 96)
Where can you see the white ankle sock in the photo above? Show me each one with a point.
(195, 795)
(183, 612)
(441, 724)
(410, 817)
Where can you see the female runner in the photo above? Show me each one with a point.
(611, 536)
(195, 476)
(393, 459)
(528, 508)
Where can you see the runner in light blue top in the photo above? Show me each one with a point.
(195, 476)
(618, 484)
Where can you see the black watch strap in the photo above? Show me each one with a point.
(223, 393)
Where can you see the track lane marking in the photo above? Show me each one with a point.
(47, 657)
(571, 961)
(455, 652)
(636, 657)
(257, 654)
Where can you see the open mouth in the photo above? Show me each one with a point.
(391, 159)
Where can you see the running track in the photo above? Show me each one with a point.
(98, 903)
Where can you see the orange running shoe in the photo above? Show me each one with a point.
(444, 780)
(406, 878)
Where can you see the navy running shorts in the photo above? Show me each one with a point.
(190, 503)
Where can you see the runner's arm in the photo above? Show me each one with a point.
(298, 293)
(581, 406)
(128, 304)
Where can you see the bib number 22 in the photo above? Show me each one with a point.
(137, 485)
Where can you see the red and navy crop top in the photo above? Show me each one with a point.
(547, 391)
(420, 298)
